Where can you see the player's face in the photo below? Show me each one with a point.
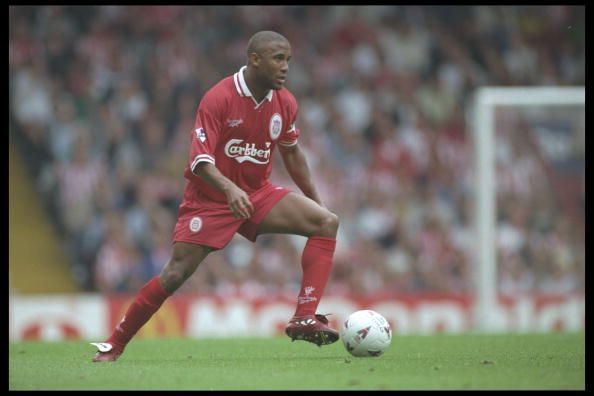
(274, 65)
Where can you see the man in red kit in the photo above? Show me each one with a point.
(239, 123)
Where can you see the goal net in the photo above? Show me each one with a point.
(529, 146)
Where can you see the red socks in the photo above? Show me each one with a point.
(316, 262)
(147, 302)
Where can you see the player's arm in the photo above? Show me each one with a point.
(239, 201)
(204, 141)
(296, 165)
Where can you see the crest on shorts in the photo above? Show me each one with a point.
(195, 224)
(276, 126)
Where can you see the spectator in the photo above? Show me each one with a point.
(102, 99)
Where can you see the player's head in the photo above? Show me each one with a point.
(268, 56)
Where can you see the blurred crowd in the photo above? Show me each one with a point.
(103, 99)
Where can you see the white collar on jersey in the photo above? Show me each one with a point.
(243, 90)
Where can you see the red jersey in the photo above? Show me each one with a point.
(238, 135)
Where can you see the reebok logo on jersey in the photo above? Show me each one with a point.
(234, 123)
(235, 148)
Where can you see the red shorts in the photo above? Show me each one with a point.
(212, 223)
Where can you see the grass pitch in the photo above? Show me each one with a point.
(534, 361)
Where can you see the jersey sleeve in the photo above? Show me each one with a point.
(290, 135)
(206, 133)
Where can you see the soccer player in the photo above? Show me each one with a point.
(239, 123)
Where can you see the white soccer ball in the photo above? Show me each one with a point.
(366, 333)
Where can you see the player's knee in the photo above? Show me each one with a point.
(328, 225)
(184, 260)
(174, 274)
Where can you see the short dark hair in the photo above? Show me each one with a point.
(259, 40)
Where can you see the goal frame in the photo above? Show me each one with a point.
(485, 101)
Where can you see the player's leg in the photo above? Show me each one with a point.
(296, 214)
(201, 228)
(184, 260)
(299, 215)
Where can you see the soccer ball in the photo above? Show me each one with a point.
(366, 333)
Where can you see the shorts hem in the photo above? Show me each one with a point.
(194, 242)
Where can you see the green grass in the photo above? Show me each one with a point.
(535, 361)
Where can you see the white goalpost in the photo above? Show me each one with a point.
(486, 100)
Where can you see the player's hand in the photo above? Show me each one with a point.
(239, 203)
